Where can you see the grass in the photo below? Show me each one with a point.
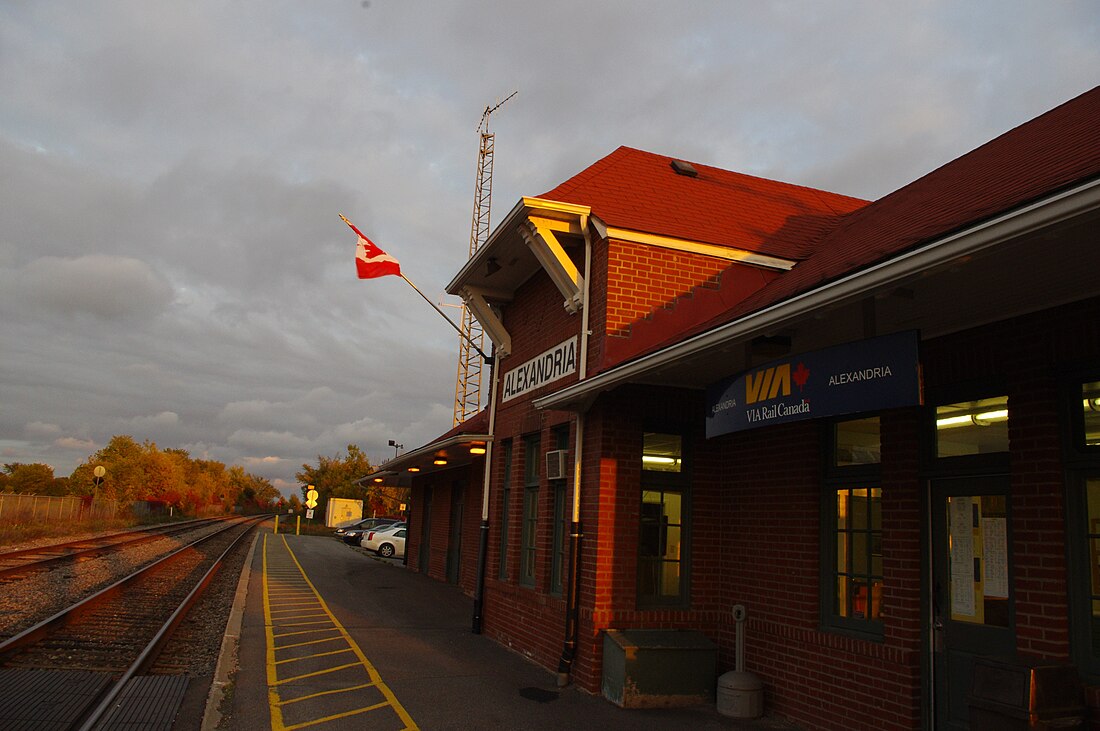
(23, 530)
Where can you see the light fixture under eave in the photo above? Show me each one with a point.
(414, 469)
(439, 462)
(983, 419)
(378, 479)
(477, 450)
(492, 266)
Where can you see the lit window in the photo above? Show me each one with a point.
(972, 427)
(662, 537)
(1090, 408)
(859, 553)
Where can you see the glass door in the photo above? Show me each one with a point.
(972, 597)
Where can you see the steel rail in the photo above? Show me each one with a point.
(149, 654)
(96, 546)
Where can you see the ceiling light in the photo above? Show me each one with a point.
(440, 462)
(414, 469)
(477, 450)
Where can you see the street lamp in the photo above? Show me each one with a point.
(396, 447)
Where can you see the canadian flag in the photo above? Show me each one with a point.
(371, 261)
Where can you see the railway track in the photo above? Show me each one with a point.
(115, 635)
(19, 563)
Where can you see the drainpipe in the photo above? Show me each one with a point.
(572, 604)
(483, 540)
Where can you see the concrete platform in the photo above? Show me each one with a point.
(334, 638)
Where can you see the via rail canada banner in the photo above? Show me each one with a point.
(866, 375)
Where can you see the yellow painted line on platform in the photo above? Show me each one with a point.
(284, 579)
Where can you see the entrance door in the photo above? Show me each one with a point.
(972, 598)
(426, 532)
(454, 546)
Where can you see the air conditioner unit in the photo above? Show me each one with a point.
(556, 464)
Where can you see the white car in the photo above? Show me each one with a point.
(388, 541)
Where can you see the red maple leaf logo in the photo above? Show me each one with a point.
(801, 375)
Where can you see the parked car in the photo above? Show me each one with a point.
(388, 541)
(352, 534)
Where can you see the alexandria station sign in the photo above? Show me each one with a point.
(867, 375)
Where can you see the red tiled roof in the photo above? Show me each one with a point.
(1052, 152)
(476, 424)
(639, 191)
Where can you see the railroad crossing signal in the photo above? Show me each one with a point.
(311, 498)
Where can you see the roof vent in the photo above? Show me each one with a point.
(684, 168)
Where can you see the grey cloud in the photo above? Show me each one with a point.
(107, 287)
(169, 239)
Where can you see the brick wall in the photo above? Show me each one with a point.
(642, 278)
(756, 515)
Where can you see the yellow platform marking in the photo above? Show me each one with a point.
(296, 617)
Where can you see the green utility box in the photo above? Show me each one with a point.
(1023, 695)
(653, 668)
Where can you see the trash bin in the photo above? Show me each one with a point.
(1029, 696)
(651, 668)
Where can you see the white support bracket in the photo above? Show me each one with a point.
(476, 299)
(539, 235)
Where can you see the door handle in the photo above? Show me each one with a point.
(937, 635)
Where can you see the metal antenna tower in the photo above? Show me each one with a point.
(470, 363)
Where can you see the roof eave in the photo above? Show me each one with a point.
(1044, 212)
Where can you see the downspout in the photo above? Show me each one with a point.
(483, 539)
(572, 604)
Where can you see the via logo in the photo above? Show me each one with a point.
(773, 381)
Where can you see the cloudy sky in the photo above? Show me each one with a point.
(172, 265)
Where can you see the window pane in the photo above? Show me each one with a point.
(672, 507)
(842, 509)
(531, 460)
(670, 579)
(972, 427)
(859, 507)
(661, 452)
(1090, 402)
(672, 543)
(857, 441)
(842, 608)
(1093, 499)
(859, 553)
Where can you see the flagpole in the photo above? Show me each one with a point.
(486, 358)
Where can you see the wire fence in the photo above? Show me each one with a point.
(46, 508)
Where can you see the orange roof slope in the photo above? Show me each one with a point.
(640, 191)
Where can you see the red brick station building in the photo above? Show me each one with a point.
(875, 426)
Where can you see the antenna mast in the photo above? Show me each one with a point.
(470, 362)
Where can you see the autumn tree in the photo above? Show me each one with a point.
(34, 478)
(334, 477)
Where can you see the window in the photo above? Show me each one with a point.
(1092, 555)
(858, 553)
(530, 509)
(1090, 414)
(561, 518)
(852, 528)
(663, 536)
(972, 427)
(1083, 525)
(505, 507)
